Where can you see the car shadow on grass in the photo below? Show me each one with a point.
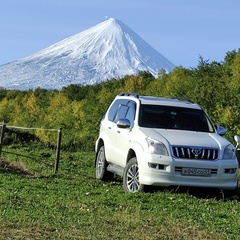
(203, 193)
(198, 192)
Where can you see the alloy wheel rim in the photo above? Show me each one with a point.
(133, 178)
(100, 163)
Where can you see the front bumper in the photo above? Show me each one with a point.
(167, 171)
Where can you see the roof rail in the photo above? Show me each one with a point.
(129, 94)
(182, 99)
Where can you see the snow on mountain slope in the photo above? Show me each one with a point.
(107, 50)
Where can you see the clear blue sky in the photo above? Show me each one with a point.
(181, 30)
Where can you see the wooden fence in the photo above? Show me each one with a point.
(4, 126)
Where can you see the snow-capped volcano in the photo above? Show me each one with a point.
(108, 50)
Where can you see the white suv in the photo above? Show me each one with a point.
(163, 142)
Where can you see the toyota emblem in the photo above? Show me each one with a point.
(196, 152)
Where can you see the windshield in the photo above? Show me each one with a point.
(168, 117)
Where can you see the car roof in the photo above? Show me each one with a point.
(175, 102)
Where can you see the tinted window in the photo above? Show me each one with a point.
(167, 117)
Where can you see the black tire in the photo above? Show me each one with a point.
(230, 193)
(131, 177)
(101, 166)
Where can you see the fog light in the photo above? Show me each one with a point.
(156, 166)
(230, 170)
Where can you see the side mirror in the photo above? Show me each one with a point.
(237, 139)
(221, 131)
(123, 123)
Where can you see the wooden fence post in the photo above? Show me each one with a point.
(58, 150)
(2, 137)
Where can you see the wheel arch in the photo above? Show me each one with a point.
(131, 154)
(135, 150)
(99, 144)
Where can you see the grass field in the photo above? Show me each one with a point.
(35, 203)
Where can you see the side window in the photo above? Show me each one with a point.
(113, 111)
(131, 112)
(122, 111)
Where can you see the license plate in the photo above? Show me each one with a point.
(196, 172)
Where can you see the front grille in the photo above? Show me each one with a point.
(195, 153)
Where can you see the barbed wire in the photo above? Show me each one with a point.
(28, 128)
(4, 125)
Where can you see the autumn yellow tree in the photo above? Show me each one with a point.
(57, 115)
(6, 109)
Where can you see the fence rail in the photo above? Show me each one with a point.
(4, 126)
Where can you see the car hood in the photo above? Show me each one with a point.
(186, 138)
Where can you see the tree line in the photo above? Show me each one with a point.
(78, 109)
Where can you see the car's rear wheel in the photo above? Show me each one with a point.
(131, 177)
(101, 166)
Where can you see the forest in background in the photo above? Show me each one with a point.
(78, 109)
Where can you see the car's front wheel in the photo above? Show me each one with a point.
(131, 177)
(230, 193)
(101, 166)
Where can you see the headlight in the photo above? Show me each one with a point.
(229, 152)
(156, 147)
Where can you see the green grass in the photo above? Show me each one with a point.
(35, 203)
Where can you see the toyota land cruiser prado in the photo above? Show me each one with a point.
(163, 142)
